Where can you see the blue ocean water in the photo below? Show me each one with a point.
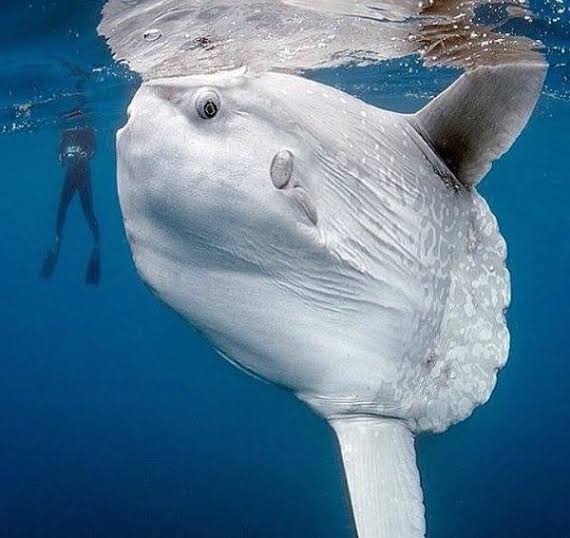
(117, 420)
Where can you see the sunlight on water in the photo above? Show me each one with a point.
(170, 38)
(199, 37)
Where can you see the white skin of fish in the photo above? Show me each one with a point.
(343, 313)
(372, 284)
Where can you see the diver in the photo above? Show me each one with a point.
(76, 149)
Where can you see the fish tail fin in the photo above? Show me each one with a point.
(383, 479)
(477, 119)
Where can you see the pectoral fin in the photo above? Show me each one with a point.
(281, 173)
(303, 201)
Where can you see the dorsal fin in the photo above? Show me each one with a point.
(476, 120)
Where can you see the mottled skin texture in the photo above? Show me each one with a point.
(347, 313)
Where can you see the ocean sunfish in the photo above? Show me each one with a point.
(334, 248)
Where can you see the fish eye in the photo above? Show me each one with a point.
(208, 104)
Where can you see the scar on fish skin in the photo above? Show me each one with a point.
(203, 41)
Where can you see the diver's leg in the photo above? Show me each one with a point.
(93, 274)
(86, 197)
(50, 259)
(67, 193)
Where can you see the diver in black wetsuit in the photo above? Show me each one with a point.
(76, 149)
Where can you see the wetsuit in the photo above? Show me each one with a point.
(76, 148)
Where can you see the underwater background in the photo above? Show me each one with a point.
(117, 420)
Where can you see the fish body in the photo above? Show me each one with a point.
(332, 248)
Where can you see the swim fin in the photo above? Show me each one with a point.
(93, 273)
(50, 261)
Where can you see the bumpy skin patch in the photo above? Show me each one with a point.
(473, 342)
